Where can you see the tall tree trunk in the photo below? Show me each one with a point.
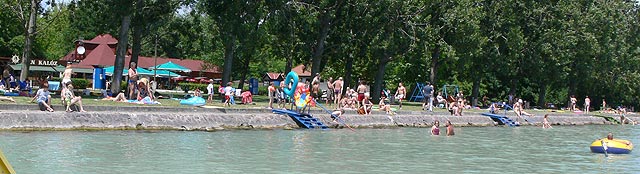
(319, 49)
(475, 91)
(135, 50)
(121, 50)
(28, 41)
(229, 45)
(348, 69)
(245, 71)
(542, 94)
(512, 87)
(572, 83)
(287, 67)
(377, 86)
(138, 26)
(435, 62)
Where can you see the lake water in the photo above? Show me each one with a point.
(563, 149)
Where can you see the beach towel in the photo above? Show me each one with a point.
(194, 101)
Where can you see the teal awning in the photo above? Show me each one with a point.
(58, 68)
(142, 71)
(165, 73)
(170, 66)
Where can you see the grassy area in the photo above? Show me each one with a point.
(260, 101)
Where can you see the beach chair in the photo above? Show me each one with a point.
(25, 89)
(417, 95)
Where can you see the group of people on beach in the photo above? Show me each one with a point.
(67, 96)
(139, 89)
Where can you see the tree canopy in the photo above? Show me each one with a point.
(540, 51)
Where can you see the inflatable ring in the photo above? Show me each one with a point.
(291, 90)
(614, 146)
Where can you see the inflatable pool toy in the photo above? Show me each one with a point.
(302, 97)
(194, 101)
(614, 146)
(288, 80)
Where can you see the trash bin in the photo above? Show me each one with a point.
(253, 86)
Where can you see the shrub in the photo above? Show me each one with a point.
(262, 90)
(194, 86)
(123, 85)
(78, 83)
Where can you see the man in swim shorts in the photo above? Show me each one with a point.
(337, 89)
(400, 94)
(133, 80)
(361, 90)
(329, 91)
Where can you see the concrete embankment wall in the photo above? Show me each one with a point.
(221, 119)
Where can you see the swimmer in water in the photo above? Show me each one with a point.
(435, 130)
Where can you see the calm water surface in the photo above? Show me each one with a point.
(404, 150)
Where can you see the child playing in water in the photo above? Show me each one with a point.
(336, 114)
(435, 129)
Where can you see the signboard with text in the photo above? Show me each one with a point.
(15, 59)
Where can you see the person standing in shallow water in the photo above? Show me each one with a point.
(449, 128)
(545, 122)
(435, 129)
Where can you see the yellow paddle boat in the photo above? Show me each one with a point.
(614, 146)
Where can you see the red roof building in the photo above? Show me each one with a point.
(269, 77)
(100, 52)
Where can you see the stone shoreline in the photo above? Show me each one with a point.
(215, 119)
